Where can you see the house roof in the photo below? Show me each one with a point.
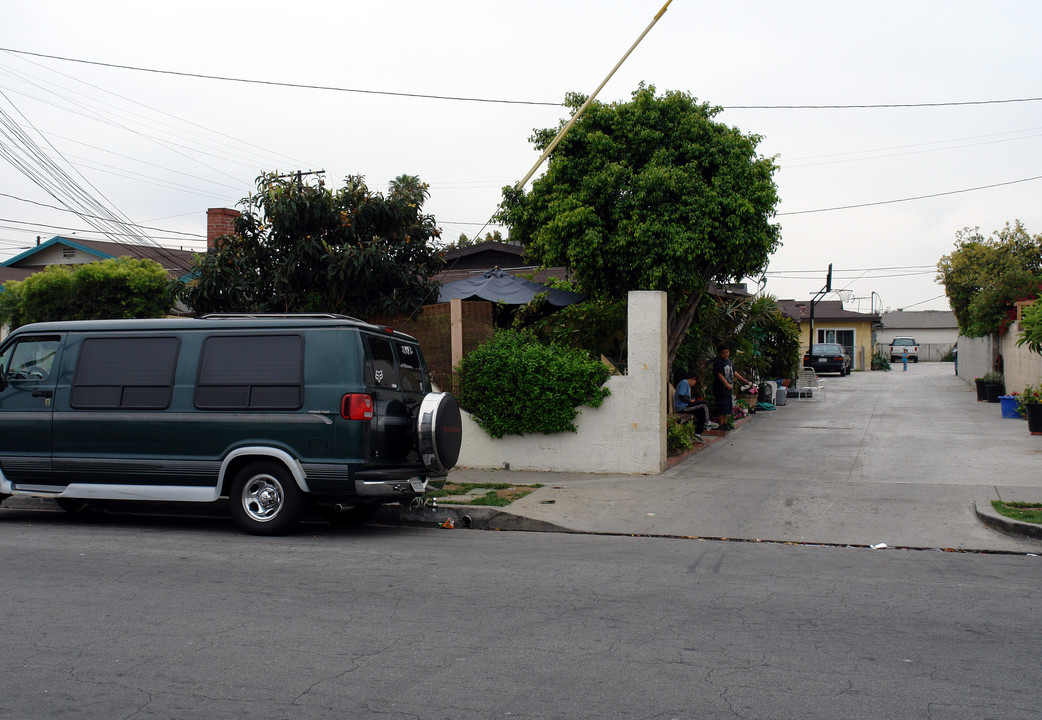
(920, 320)
(799, 310)
(174, 261)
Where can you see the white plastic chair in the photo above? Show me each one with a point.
(808, 385)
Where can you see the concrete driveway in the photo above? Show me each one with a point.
(899, 458)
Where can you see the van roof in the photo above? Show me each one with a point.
(223, 321)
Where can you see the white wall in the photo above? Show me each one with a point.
(626, 434)
(1020, 366)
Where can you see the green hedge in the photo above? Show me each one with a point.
(514, 385)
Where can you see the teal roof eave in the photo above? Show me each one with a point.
(56, 240)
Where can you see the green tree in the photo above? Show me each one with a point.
(114, 288)
(463, 241)
(300, 247)
(650, 194)
(984, 277)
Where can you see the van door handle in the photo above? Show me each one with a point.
(42, 393)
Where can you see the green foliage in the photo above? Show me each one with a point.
(1031, 327)
(679, 436)
(114, 288)
(597, 326)
(650, 194)
(1032, 395)
(463, 241)
(762, 340)
(303, 248)
(984, 277)
(881, 361)
(513, 385)
(1024, 511)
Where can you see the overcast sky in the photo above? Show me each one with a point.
(162, 148)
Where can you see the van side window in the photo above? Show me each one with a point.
(130, 372)
(380, 370)
(31, 357)
(256, 372)
(411, 367)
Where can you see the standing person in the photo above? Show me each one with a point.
(904, 359)
(723, 384)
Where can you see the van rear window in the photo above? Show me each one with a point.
(134, 373)
(258, 372)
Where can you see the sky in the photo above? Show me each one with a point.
(160, 148)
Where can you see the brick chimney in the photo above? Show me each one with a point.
(219, 221)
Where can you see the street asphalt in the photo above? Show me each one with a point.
(905, 459)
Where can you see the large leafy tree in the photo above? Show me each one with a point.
(650, 194)
(114, 288)
(301, 247)
(984, 276)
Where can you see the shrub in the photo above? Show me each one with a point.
(513, 384)
(679, 436)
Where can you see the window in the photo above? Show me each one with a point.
(380, 369)
(257, 372)
(131, 373)
(411, 368)
(31, 358)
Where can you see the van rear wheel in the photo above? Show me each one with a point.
(264, 499)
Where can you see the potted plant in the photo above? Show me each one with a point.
(993, 385)
(982, 393)
(1029, 404)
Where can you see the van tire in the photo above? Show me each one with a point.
(264, 499)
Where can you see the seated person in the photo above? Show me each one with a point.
(687, 401)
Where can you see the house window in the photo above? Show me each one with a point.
(125, 373)
(256, 372)
(843, 337)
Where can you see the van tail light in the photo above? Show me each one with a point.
(356, 406)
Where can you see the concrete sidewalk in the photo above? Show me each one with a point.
(902, 458)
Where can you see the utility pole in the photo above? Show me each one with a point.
(299, 175)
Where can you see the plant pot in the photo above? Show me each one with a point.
(982, 394)
(1034, 413)
(1009, 406)
(994, 390)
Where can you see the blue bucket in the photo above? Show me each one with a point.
(1009, 406)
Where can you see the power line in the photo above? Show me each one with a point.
(56, 207)
(427, 96)
(909, 199)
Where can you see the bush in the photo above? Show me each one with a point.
(514, 384)
(114, 288)
(880, 361)
(679, 436)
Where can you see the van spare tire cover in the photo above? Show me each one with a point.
(439, 432)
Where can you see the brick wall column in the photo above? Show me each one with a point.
(219, 221)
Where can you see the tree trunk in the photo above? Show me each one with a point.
(680, 317)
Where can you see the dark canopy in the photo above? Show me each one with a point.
(498, 286)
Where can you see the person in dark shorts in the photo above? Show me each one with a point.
(724, 375)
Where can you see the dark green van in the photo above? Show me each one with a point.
(273, 412)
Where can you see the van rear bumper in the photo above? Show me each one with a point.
(390, 489)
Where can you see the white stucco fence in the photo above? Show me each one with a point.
(626, 434)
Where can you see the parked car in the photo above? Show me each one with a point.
(828, 357)
(900, 344)
(272, 412)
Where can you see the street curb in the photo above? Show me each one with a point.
(466, 516)
(988, 515)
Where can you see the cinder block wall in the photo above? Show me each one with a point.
(626, 434)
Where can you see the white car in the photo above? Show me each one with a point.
(899, 345)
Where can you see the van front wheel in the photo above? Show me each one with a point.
(265, 500)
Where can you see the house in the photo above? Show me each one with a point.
(936, 331)
(464, 262)
(77, 251)
(853, 330)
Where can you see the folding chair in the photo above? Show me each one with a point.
(808, 384)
